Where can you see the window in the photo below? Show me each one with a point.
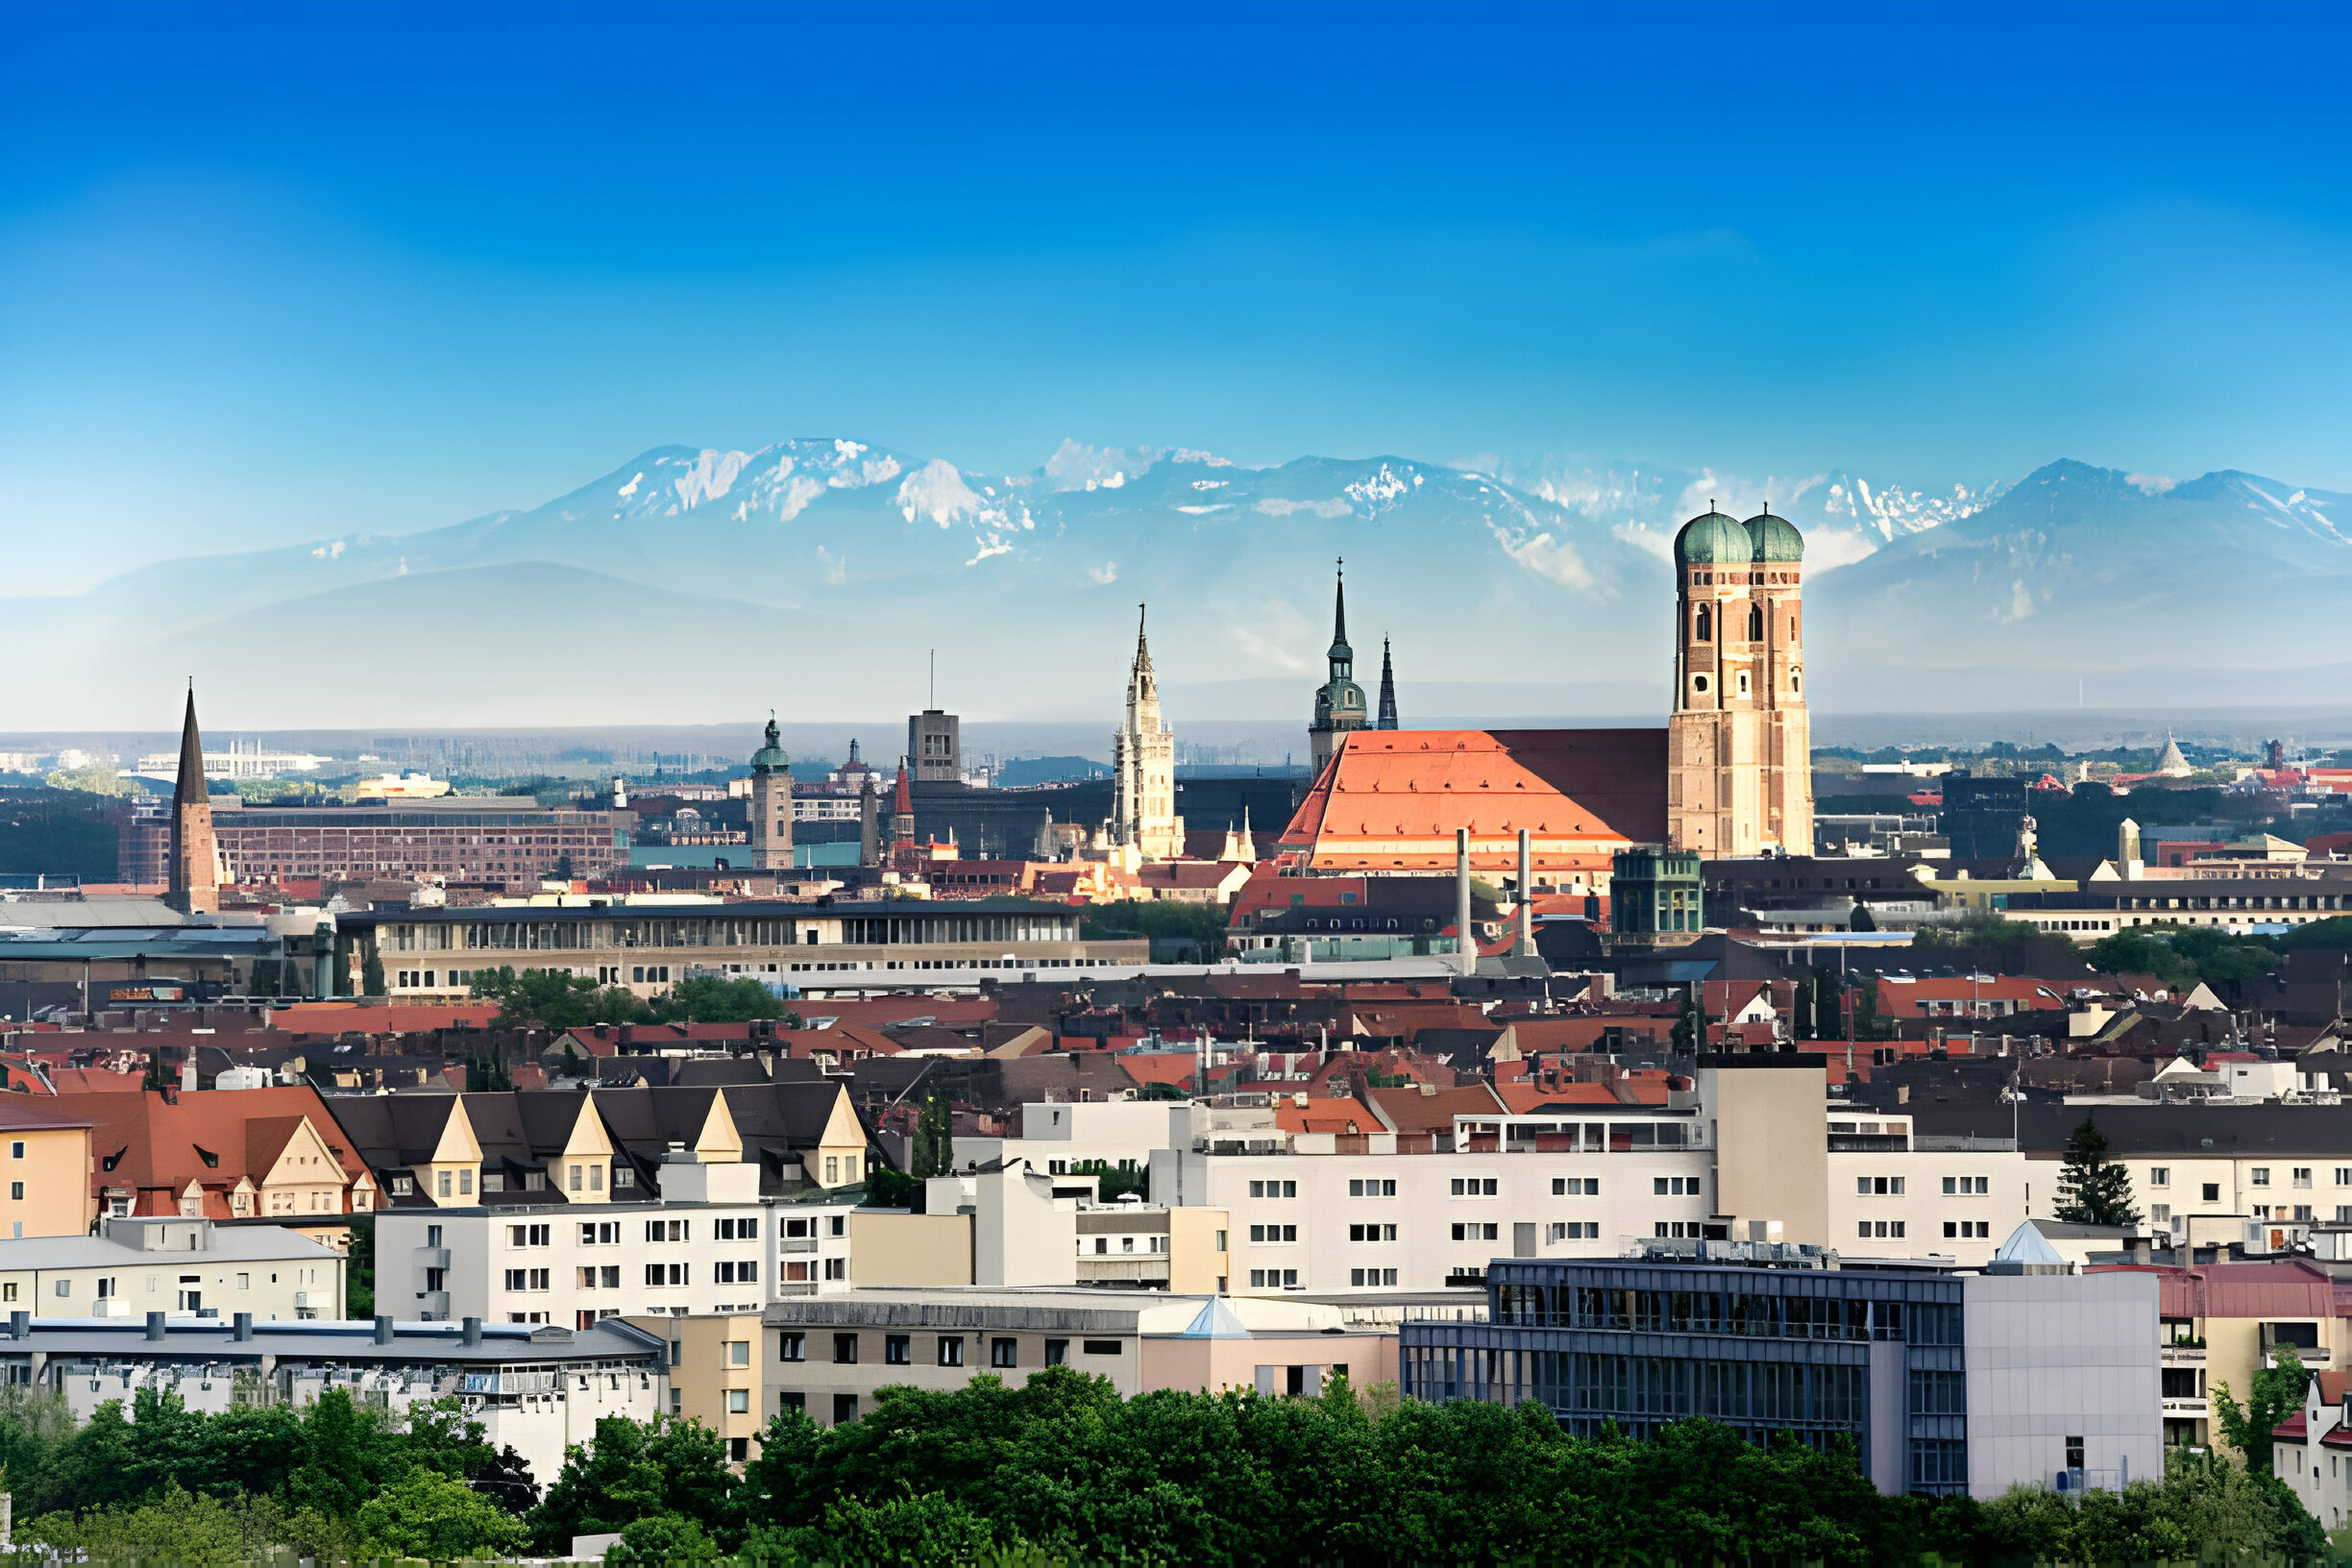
(1273, 1279)
(1881, 1228)
(739, 1230)
(1372, 1233)
(1372, 1186)
(441, 1184)
(603, 1234)
(16, 1190)
(1273, 1189)
(1674, 1186)
(669, 1230)
(1057, 1352)
(465, 1183)
(1004, 1352)
(1473, 1187)
(2344, 1175)
(837, 1268)
(65, 1287)
(1968, 1227)
(1103, 1347)
(1576, 1230)
(2212, 1191)
(792, 1347)
(1975, 1186)
(1476, 1233)
(1579, 1186)
(897, 1350)
(528, 1236)
(2301, 1176)
(844, 1407)
(739, 1400)
(17, 1148)
(2160, 1213)
(1880, 1186)
(951, 1350)
(792, 1401)
(1275, 1234)
(2160, 1175)
(739, 1353)
(844, 1349)
(1372, 1276)
(2262, 1175)
(660, 1274)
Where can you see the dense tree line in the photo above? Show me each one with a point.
(557, 999)
(1060, 1468)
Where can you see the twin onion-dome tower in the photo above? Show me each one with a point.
(1739, 745)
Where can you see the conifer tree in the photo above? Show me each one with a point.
(2093, 1189)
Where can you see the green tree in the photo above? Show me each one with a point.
(331, 1473)
(710, 999)
(2093, 1189)
(662, 1538)
(1202, 923)
(94, 779)
(934, 1143)
(553, 999)
(370, 973)
(631, 1472)
(1114, 1182)
(430, 1514)
(2277, 1393)
(177, 1527)
(359, 1268)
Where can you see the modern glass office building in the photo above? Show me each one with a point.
(1782, 1338)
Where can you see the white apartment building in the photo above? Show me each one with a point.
(709, 1247)
(190, 1268)
(1758, 1144)
(2215, 1172)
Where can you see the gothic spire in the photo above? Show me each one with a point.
(1387, 697)
(190, 789)
(1140, 682)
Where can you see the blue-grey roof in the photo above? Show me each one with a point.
(214, 1340)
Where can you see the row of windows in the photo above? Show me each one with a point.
(947, 1349)
(1669, 1386)
(2258, 1176)
(1725, 1312)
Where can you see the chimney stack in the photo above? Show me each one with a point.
(187, 1071)
(1461, 900)
(1527, 897)
(241, 1326)
(384, 1328)
(469, 1331)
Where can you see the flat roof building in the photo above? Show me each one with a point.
(1948, 1382)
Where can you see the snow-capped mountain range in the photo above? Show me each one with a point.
(815, 576)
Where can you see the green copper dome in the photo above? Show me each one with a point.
(1712, 539)
(770, 758)
(1777, 538)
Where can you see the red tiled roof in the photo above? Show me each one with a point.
(1410, 1111)
(384, 1018)
(1334, 1116)
(1392, 799)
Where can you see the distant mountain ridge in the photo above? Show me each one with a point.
(815, 574)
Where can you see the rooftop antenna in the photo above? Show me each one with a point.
(934, 703)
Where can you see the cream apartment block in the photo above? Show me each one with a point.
(2211, 1173)
(648, 943)
(181, 1267)
(1757, 1152)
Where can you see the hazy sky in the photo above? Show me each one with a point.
(269, 274)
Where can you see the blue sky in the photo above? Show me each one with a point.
(272, 273)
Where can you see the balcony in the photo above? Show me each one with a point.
(798, 1243)
(2183, 1355)
(433, 1306)
(432, 1258)
(1146, 1269)
(796, 1287)
(2197, 1410)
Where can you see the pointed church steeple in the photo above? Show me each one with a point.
(1387, 697)
(1141, 684)
(191, 788)
(1339, 702)
(195, 853)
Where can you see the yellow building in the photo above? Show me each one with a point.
(715, 1374)
(48, 1175)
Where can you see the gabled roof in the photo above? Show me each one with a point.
(1410, 1111)
(157, 1144)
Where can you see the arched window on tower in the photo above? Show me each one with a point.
(1704, 630)
(1755, 623)
(1792, 625)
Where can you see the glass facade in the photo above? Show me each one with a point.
(1761, 1349)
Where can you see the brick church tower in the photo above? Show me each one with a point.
(195, 853)
(1740, 742)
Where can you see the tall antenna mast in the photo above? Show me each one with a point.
(934, 703)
